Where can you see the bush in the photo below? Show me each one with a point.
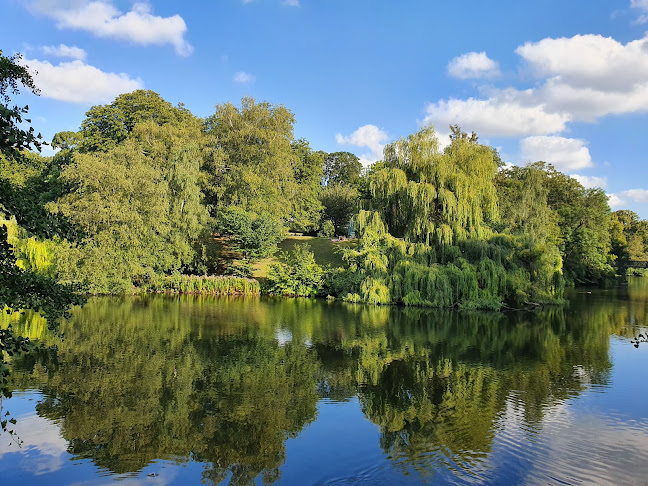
(327, 229)
(299, 276)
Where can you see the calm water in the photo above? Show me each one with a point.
(195, 390)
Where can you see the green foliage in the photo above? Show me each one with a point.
(300, 275)
(13, 138)
(196, 284)
(106, 126)
(21, 289)
(135, 196)
(341, 168)
(32, 254)
(251, 163)
(308, 175)
(255, 236)
(340, 204)
(445, 207)
(628, 236)
(436, 198)
(327, 229)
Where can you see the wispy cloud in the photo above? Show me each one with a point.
(244, 78)
(72, 52)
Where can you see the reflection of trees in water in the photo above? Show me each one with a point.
(134, 381)
(140, 379)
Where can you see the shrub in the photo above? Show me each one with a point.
(299, 276)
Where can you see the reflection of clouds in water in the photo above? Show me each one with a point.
(283, 336)
(43, 448)
(568, 447)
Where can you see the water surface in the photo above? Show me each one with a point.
(200, 390)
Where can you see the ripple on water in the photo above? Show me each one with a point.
(569, 448)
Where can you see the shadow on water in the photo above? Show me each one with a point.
(227, 381)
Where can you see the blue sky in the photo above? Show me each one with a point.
(565, 82)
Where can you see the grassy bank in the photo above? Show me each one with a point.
(326, 252)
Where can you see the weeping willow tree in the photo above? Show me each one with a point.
(430, 236)
(437, 197)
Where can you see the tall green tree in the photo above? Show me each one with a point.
(308, 169)
(342, 168)
(252, 163)
(436, 197)
(105, 126)
(340, 203)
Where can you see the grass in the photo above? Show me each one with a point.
(325, 251)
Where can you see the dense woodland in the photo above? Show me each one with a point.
(145, 195)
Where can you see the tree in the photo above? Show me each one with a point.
(21, 289)
(251, 163)
(13, 138)
(340, 204)
(432, 197)
(106, 126)
(300, 275)
(342, 168)
(308, 167)
(584, 219)
(255, 236)
(628, 236)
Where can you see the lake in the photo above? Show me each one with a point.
(203, 390)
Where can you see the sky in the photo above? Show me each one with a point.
(563, 82)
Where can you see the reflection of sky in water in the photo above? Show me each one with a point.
(42, 448)
(594, 438)
(42, 456)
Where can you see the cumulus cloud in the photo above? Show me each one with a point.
(615, 201)
(635, 195)
(473, 65)
(72, 52)
(566, 154)
(590, 61)
(591, 181)
(507, 114)
(103, 19)
(243, 78)
(582, 78)
(78, 82)
(369, 136)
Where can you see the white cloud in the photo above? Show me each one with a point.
(78, 82)
(473, 65)
(103, 19)
(641, 5)
(507, 114)
(635, 195)
(589, 61)
(566, 154)
(369, 136)
(73, 52)
(291, 3)
(615, 201)
(243, 77)
(591, 181)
